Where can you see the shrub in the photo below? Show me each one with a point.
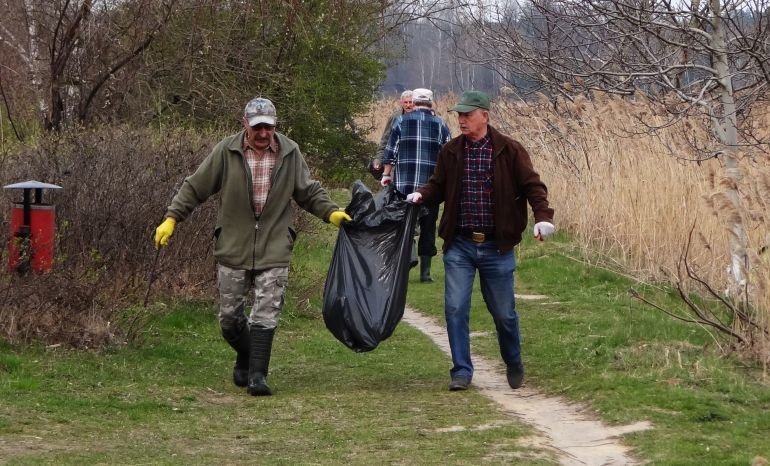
(117, 184)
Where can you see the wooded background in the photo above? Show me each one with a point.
(138, 90)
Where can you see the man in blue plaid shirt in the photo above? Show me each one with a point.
(410, 158)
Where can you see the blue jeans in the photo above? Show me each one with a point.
(461, 260)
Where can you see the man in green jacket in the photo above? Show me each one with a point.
(257, 173)
(485, 180)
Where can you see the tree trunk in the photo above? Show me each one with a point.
(726, 127)
(34, 67)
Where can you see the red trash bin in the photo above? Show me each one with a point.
(41, 233)
(33, 230)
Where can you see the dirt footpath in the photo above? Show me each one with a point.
(569, 430)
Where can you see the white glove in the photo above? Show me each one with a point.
(414, 198)
(543, 230)
(386, 179)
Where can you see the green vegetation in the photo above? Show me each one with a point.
(170, 399)
(588, 340)
(313, 59)
(171, 402)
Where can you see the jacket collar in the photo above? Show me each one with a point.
(498, 141)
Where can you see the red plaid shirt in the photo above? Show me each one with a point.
(476, 194)
(261, 163)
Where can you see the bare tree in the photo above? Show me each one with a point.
(77, 60)
(701, 56)
(70, 50)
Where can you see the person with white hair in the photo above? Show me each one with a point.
(406, 105)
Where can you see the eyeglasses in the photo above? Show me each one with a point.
(261, 126)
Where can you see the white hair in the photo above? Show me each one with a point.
(405, 94)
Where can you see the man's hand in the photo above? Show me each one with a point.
(414, 198)
(386, 180)
(543, 230)
(164, 232)
(338, 217)
(376, 168)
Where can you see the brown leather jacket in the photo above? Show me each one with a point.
(515, 183)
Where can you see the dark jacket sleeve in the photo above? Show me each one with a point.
(434, 189)
(385, 137)
(532, 186)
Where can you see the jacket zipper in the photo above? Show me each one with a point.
(250, 188)
(278, 163)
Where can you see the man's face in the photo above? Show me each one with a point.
(407, 104)
(474, 124)
(259, 136)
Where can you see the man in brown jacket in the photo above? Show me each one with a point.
(485, 180)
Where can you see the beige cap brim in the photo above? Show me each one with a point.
(254, 121)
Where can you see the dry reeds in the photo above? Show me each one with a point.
(631, 195)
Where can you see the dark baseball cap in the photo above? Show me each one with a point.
(470, 101)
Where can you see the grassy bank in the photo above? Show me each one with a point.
(589, 341)
(170, 399)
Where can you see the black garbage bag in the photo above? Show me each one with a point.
(365, 290)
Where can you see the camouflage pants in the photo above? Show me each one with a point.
(234, 285)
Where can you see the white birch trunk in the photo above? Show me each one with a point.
(34, 64)
(727, 130)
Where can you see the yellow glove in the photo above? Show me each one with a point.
(338, 216)
(164, 232)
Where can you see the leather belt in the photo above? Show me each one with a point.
(476, 236)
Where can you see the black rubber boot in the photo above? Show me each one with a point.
(261, 345)
(425, 269)
(240, 341)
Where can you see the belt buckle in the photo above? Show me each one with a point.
(478, 237)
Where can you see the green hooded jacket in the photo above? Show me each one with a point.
(243, 241)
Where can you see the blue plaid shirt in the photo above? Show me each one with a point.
(413, 147)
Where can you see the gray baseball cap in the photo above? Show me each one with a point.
(259, 110)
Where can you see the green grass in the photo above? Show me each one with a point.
(172, 402)
(169, 400)
(590, 341)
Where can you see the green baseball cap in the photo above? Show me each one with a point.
(470, 101)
